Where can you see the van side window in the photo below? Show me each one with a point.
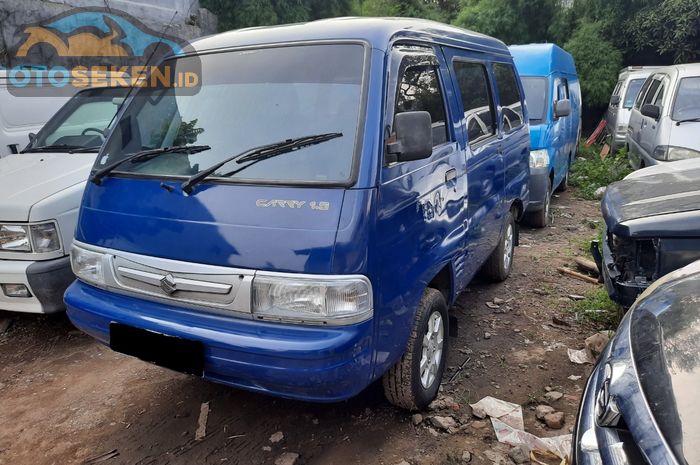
(563, 90)
(473, 83)
(511, 101)
(659, 96)
(649, 98)
(420, 91)
(642, 93)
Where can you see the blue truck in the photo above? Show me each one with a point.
(553, 96)
(301, 225)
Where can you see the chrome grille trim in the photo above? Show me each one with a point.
(221, 289)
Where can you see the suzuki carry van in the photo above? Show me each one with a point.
(301, 225)
(40, 192)
(665, 118)
(553, 96)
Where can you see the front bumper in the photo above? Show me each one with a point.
(46, 281)
(622, 292)
(538, 183)
(595, 445)
(311, 363)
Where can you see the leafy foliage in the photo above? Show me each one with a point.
(589, 172)
(597, 62)
(671, 28)
(512, 21)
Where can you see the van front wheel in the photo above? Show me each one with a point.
(415, 379)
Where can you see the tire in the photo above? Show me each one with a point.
(564, 182)
(540, 219)
(498, 266)
(403, 384)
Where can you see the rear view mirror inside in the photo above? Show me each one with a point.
(118, 101)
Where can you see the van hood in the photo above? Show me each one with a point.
(652, 203)
(29, 178)
(257, 227)
(685, 135)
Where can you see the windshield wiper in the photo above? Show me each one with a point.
(145, 155)
(60, 148)
(258, 154)
(689, 120)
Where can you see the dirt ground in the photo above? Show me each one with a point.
(65, 399)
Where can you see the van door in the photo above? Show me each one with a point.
(649, 127)
(514, 138)
(420, 225)
(482, 150)
(561, 128)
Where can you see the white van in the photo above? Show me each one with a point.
(617, 117)
(40, 191)
(20, 116)
(665, 119)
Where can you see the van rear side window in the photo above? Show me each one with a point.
(473, 83)
(511, 101)
(420, 91)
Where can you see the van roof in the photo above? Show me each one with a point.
(379, 32)
(542, 59)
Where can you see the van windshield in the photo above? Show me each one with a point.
(687, 105)
(248, 99)
(632, 91)
(536, 96)
(82, 123)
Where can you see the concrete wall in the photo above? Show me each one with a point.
(189, 20)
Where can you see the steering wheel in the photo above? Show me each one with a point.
(99, 131)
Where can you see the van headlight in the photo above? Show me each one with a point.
(312, 299)
(671, 153)
(15, 238)
(31, 238)
(539, 158)
(87, 265)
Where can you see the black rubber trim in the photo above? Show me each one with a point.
(49, 280)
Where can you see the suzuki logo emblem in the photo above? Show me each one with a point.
(168, 284)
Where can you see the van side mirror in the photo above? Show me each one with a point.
(652, 111)
(615, 100)
(32, 137)
(562, 108)
(414, 136)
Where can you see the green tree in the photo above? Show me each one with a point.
(597, 61)
(512, 21)
(670, 29)
(427, 9)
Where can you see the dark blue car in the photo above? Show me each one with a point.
(301, 224)
(641, 402)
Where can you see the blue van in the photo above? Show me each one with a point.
(553, 96)
(301, 225)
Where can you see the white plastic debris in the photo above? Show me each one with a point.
(579, 357)
(508, 424)
(507, 412)
(560, 445)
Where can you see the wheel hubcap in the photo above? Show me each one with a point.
(508, 249)
(431, 356)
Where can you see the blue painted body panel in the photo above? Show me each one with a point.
(559, 136)
(400, 225)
